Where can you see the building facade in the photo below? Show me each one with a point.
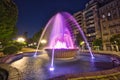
(110, 23)
(88, 19)
(100, 20)
(91, 21)
(80, 19)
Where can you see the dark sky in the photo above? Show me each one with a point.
(34, 14)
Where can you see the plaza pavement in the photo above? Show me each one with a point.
(107, 52)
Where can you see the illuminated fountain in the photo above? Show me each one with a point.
(58, 38)
(58, 41)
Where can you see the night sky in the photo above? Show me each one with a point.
(34, 14)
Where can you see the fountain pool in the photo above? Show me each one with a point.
(37, 68)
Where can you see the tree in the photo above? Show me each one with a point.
(97, 43)
(37, 35)
(25, 35)
(34, 40)
(115, 40)
(8, 18)
(12, 49)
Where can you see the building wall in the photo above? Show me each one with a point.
(91, 22)
(80, 19)
(100, 20)
(110, 22)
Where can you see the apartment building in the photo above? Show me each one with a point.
(110, 23)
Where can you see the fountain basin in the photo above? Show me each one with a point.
(62, 53)
(83, 67)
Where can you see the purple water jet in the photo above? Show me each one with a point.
(58, 38)
(58, 34)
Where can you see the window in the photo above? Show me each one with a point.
(103, 16)
(91, 30)
(91, 38)
(109, 16)
(119, 11)
(114, 14)
(104, 27)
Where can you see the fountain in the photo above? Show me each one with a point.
(58, 38)
(58, 41)
(58, 34)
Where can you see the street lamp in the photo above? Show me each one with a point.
(116, 46)
(20, 39)
(43, 41)
(81, 43)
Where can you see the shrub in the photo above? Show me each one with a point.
(20, 45)
(10, 49)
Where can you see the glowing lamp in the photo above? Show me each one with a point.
(20, 39)
(51, 68)
(82, 43)
(43, 41)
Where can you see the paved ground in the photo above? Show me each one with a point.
(23, 50)
(28, 50)
(1, 54)
(105, 52)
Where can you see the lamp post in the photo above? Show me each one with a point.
(43, 41)
(116, 46)
(82, 45)
(20, 39)
(0, 44)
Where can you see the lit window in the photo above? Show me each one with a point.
(109, 14)
(89, 35)
(103, 16)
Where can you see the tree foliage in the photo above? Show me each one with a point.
(97, 42)
(10, 49)
(115, 39)
(37, 35)
(8, 17)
